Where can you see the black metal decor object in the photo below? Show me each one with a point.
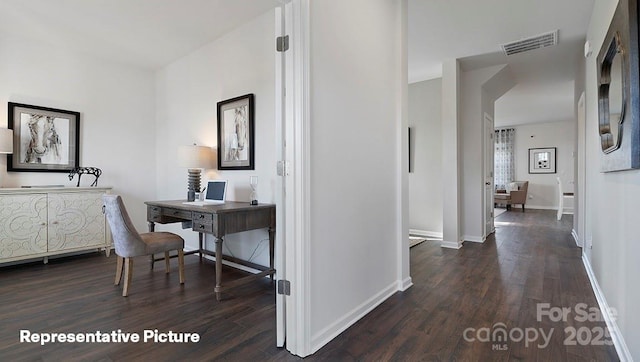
(85, 171)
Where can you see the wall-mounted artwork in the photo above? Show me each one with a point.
(236, 134)
(619, 91)
(44, 139)
(542, 160)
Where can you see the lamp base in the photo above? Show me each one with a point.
(193, 184)
(191, 195)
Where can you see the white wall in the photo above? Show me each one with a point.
(425, 183)
(611, 207)
(187, 92)
(480, 89)
(579, 165)
(116, 105)
(451, 158)
(543, 188)
(355, 143)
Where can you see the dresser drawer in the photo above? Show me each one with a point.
(202, 218)
(166, 215)
(154, 217)
(154, 210)
(202, 227)
(177, 213)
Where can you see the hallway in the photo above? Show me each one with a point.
(461, 295)
(532, 259)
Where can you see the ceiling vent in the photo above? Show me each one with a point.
(536, 42)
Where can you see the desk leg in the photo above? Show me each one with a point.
(152, 228)
(272, 242)
(200, 240)
(218, 289)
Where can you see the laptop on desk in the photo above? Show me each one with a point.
(215, 194)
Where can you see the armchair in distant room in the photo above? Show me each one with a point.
(515, 194)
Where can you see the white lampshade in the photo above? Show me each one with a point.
(195, 156)
(6, 140)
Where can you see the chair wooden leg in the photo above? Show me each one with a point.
(119, 266)
(128, 272)
(167, 265)
(181, 265)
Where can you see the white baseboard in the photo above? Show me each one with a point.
(575, 237)
(567, 210)
(451, 244)
(475, 239)
(405, 284)
(426, 233)
(616, 335)
(327, 334)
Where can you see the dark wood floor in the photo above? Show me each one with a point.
(531, 259)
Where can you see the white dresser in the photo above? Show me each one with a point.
(39, 222)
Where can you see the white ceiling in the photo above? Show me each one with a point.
(146, 33)
(473, 30)
(153, 33)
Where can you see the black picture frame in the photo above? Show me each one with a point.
(543, 160)
(236, 133)
(57, 149)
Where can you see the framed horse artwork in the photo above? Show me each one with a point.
(236, 134)
(44, 139)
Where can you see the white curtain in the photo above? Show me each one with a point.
(504, 165)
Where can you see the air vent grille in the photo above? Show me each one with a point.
(536, 42)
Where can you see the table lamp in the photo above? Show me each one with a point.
(194, 158)
(6, 141)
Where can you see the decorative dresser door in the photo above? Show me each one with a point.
(76, 220)
(23, 225)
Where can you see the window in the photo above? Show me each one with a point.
(504, 158)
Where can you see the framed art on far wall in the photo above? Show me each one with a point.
(542, 160)
(236, 142)
(44, 139)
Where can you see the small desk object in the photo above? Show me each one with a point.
(219, 221)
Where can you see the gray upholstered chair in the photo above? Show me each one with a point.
(518, 196)
(128, 243)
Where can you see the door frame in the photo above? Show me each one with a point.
(296, 179)
(280, 192)
(488, 149)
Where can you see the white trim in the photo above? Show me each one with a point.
(488, 156)
(405, 284)
(535, 207)
(403, 270)
(567, 210)
(426, 233)
(341, 324)
(475, 239)
(298, 317)
(575, 237)
(616, 335)
(280, 115)
(451, 244)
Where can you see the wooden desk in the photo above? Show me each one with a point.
(219, 221)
